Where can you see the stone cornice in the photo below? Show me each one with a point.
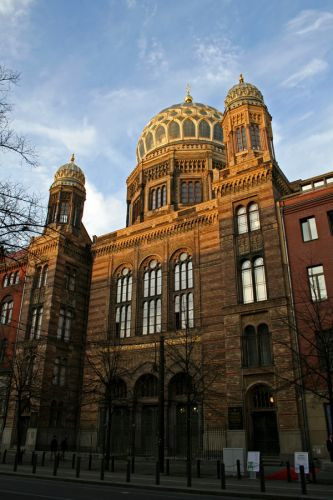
(242, 182)
(117, 243)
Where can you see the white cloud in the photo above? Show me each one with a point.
(218, 60)
(309, 21)
(14, 7)
(152, 55)
(103, 214)
(14, 20)
(309, 70)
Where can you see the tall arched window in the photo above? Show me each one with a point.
(248, 218)
(6, 311)
(36, 322)
(183, 288)
(158, 197)
(146, 386)
(257, 343)
(152, 291)
(241, 143)
(174, 130)
(204, 129)
(59, 371)
(218, 133)
(253, 280)
(6, 280)
(188, 128)
(123, 301)
(160, 134)
(64, 323)
(255, 136)
(149, 141)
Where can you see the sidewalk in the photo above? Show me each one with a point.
(144, 477)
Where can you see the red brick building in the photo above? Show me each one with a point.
(308, 225)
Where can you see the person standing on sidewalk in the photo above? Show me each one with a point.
(329, 444)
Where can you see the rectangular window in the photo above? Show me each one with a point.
(309, 229)
(317, 283)
(330, 220)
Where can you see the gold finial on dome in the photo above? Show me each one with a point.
(241, 78)
(73, 158)
(188, 97)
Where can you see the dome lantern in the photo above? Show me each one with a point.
(243, 93)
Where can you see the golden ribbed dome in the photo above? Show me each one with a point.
(185, 122)
(243, 93)
(69, 174)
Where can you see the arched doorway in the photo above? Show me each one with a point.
(177, 431)
(146, 415)
(263, 431)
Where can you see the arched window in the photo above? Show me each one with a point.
(255, 136)
(218, 133)
(152, 291)
(44, 276)
(204, 129)
(149, 141)
(64, 323)
(59, 371)
(197, 192)
(254, 220)
(12, 279)
(158, 197)
(257, 342)
(17, 278)
(183, 288)
(141, 148)
(36, 322)
(6, 311)
(241, 143)
(248, 218)
(191, 192)
(153, 199)
(242, 225)
(253, 280)
(164, 200)
(64, 207)
(262, 397)
(123, 300)
(160, 134)
(188, 128)
(174, 130)
(6, 280)
(146, 386)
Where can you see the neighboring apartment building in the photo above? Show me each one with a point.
(308, 224)
(200, 265)
(12, 276)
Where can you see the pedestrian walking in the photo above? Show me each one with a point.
(54, 446)
(64, 447)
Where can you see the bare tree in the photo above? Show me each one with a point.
(10, 141)
(103, 384)
(24, 396)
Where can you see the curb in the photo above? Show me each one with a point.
(174, 489)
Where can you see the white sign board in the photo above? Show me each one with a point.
(253, 461)
(302, 458)
(230, 457)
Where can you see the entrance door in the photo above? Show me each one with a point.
(265, 432)
(149, 430)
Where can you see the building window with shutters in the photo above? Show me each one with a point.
(152, 298)
(123, 303)
(183, 292)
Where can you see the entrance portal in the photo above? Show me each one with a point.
(264, 430)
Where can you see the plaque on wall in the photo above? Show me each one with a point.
(235, 418)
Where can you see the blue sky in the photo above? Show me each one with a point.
(94, 73)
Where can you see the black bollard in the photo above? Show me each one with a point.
(90, 460)
(73, 461)
(102, 469)
(198, 468)
(222, 474)
(189, 473)
(313, 473)
(288, 471)
(4, 457)
(15, 462)
(303, 481)
(112, 463)
(218, 468)
(133, 464)
(239, 476)
(34, 463)
(78, 466)
(262, 478)
(167, 467)
(43, 458)
(32, 457)
(128, 471)
(157, 473)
